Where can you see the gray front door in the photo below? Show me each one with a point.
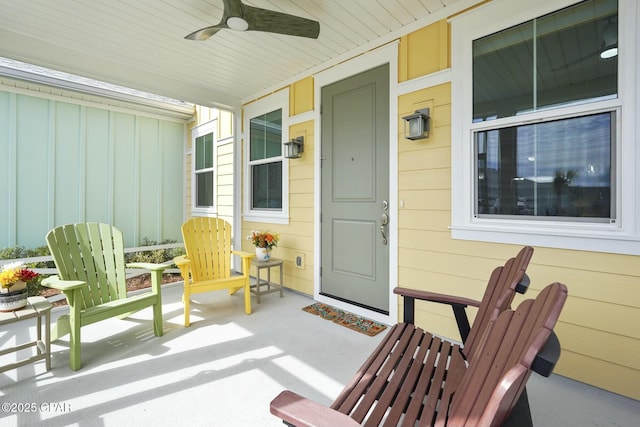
(355, 190)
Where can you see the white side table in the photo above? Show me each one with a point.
(36, 308)
(271, 286)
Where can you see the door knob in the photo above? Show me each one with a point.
(384, 220)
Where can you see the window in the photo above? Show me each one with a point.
(538, 111)
(204, 161)
(266, 176)
(559, 168)
(265, 160)
(556, 168)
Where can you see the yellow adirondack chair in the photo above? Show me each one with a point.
(207, 264)
(91, 274)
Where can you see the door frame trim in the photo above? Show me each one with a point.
(387, 54)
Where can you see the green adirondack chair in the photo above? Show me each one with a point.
(91, 274)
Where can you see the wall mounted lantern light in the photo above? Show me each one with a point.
(416, 125)
(294, 148)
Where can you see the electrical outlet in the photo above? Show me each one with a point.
(300, 261)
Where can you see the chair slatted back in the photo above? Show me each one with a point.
(208, 245)
(498, 296)
(497, 375)
(93, 253)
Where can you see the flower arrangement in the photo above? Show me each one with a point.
(264, 239)
(13, 277)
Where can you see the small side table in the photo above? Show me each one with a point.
(37, 307)
(271, 287)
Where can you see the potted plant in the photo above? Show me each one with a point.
(264, 241)
(13, 285)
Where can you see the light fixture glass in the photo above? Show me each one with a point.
(610, 40)
(237, 23)
(293, 149)
(416, 126)
(609, 52)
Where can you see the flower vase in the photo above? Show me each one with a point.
(13, 300)
(263, 254)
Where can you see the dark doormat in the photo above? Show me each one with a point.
(346, 319)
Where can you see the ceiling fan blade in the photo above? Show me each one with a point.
(281, 23)
(205, 33)
(255, 19)
(230, 6)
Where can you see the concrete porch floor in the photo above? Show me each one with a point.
(225, 369)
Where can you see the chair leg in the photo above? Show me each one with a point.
(158, 329)
(247, 296)
(74, 341)
(186, 300)
(156, 280)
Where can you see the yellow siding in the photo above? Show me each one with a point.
(424, 51)
(225, 124)
(301, 96)
(224, 161)
(187, 181)
(603, 308)
(224, 175)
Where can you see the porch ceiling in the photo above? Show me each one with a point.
(140, 44)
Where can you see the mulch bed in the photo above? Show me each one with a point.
(139, 282)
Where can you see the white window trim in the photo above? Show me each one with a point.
(623, 236)
(203, 129)
(279, 100)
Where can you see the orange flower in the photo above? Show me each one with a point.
(264, 239)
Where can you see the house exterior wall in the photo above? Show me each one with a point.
(296, 237)
(70, 160)
(597, 329)
(224, 170)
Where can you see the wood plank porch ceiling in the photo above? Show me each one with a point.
(140, 44)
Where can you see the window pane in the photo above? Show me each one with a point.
(503, 73)
(267, 186)
(204, 189)
(559, 168)
(204, 151)
(266, 135)
(551, 61)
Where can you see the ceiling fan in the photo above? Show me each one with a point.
(240, 17)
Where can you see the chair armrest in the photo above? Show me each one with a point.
(458, 305)
(148, 266)
(181, 260)
(184, 264)
(56, 282)
(302, 412)
(243, 254)
(436, 297)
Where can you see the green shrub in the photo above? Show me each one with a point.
(156, 256)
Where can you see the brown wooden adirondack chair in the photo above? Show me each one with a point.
(415, 378)
(91, 274)
(498, 296)
(503, 283)
(207, 265)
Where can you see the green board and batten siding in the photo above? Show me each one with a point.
(64, 162)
